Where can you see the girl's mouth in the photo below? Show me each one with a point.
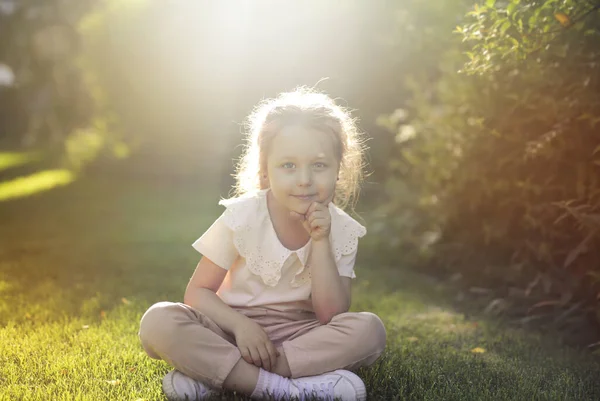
(304, 197)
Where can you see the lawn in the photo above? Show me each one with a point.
(79, 265)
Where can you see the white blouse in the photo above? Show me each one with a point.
(261, 271)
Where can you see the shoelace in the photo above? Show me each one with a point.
(323, 391)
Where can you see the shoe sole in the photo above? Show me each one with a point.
(169, 388)
(361, 391)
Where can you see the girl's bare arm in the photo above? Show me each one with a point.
(201, 295)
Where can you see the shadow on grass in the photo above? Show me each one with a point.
(438, 351)
(81, 249)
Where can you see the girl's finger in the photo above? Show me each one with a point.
(265, 358)
(273, 354)
(246, 355)
(306, 226)
(255, 357)
(317, 215)
(312, 208)
(296, 216)
(318, 223)
(323, 205)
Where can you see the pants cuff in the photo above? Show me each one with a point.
(297, 360)
(225, 368)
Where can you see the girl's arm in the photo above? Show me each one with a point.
(201, 295)
(330, 291)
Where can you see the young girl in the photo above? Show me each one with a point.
(266, 310)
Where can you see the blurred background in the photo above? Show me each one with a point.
(483, 119)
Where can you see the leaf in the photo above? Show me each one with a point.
(480, 290)
(562, 217)
(505, 26)
(478, 350)
(113, 382)
(578, 250)
(544, 303)
(511, 9)
(125, 301)
(533, 20)
(563, 19)
(496, 306)
(477, 11)
(592, 345)
(490, 3)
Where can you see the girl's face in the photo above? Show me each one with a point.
(302, 167)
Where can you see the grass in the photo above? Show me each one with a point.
(80, 264)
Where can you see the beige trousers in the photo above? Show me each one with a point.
(194, 344)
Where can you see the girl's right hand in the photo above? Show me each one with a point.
(254, 344)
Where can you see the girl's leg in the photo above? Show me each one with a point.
(197, 347)
(189, 341)
(350, 340)
(244, 376)
(250, 380)
(282, 367)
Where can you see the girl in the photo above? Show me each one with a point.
(266, 311)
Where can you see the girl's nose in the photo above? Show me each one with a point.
(304, 177)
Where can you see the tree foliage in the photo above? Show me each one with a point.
(504, 152)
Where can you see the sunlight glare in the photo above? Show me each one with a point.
(34, 183)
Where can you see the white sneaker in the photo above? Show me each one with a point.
(179, 387)
(337, 385)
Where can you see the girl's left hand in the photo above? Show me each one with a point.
(317, 221)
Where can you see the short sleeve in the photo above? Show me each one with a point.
(345, 232)
(346, 265)
(217, 244)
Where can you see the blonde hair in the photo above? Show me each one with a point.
(308, 108)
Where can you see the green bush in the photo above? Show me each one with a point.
(502, 153)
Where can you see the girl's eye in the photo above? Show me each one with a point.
(320, 165)
(288, 165)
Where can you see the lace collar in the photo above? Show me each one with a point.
(255, 238)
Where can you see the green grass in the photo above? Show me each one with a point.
(80, 264)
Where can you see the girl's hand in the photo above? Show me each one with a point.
(254, 344)
(317, 220)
